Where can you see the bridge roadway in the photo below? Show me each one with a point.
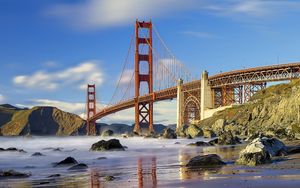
(237, 77)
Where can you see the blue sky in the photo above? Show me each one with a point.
(50, 49)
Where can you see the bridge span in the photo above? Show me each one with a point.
(194, 97)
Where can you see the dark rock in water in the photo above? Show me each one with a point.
(103, 145)
(205, 161)
(13, 174)
(101, 158)
(107, 133)
(12, 149)
(177, 143)
(260, 151)
(109, 178)
(80, 166)
(294, 150)
(54, 175)
(66, 161)
(169, 133)
(226, 138)
(200, 143)
(37, 154)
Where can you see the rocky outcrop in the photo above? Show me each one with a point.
(261, 151)
(208, 133)
(12, 149)
(169, 134)
(226, 138)
(193, 131)
(37, 154)
(80, 166)
(103, 145)
(205, 161)
(272, 111)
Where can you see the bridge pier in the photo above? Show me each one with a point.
(206, 100)
(180, 103)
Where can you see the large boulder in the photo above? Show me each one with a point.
(180, 131)
(208, 133)
(226, 138)
(205, 161)
(107, 133)
(194, 131)
(218, 126)
(103, 145)
(260, 151)
(169, 133)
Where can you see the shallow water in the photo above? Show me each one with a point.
(146, 163)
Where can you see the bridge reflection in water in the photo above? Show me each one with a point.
(146, 174)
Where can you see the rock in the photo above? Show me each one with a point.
(181, 131)
(13, 174)
(226, 138)
(107, 133)
(124, 135)
(109, 178)
(200, 143)
(37, 154)
(194, 131)
(103, 145)
(294, 150)
(189, 137)
(66, 161)
(101, 158)
(54, 175)
(208, 134)
(260, 151)
(218, 126)
(213, 141)
(177, 143)
(13, 149)
(205, 161)
(80, 166)
(169, 134)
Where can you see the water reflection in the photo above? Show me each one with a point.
(147, 172)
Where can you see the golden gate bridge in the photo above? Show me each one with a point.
(151, 73)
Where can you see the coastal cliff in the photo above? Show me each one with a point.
(274, 111)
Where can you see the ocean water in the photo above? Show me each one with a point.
(146, 163)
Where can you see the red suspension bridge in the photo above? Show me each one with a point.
(152, 73)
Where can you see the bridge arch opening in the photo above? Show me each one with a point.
(191, 110)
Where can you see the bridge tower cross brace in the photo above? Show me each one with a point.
(91, 109)
(143, 110)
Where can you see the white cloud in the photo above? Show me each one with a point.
(2, 98)
(91, 14)
(80, 75)
(105, 13)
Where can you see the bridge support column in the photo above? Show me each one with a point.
(91, 109)
(206, 100)
(179, 104)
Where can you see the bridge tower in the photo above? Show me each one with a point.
(143, 110)
(91, 109)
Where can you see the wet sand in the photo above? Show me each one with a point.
(146, 163)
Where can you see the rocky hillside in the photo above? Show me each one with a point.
(39, 121)
(52, 121)
(274, 111)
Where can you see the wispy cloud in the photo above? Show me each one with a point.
(198, 34)
(80, 75)
(93, 14)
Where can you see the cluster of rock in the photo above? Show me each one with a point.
(112, 144)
